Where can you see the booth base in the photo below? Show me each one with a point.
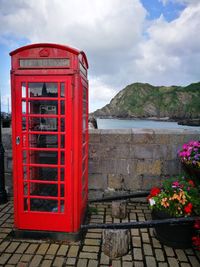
(47, 235)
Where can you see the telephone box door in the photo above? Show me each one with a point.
(43, 143)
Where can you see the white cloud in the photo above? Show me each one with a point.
(121, 45)
(180, 1)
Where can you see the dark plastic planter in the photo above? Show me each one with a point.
(176, 236)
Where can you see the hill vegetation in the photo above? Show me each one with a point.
(142, 100)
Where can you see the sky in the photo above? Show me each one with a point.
(126, 41)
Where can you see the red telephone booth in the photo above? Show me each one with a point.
(50, 137)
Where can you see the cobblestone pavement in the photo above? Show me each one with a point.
(145, 250)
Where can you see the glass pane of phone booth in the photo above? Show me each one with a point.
(43, 128)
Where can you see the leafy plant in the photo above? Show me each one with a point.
(178, 196)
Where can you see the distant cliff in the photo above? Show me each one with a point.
(139, 100)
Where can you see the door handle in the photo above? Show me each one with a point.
(17, 140)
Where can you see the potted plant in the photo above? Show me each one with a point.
(190, 158)
(178, 197)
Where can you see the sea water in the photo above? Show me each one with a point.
(148, 124)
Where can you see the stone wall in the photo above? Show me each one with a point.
(127, 159)
(134, 159)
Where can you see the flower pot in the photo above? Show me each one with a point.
(192, 171)
(176, 236)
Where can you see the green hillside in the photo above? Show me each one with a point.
(140, 100)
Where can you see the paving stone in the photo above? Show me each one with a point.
(93, 235)
(62, 250)
(137, 254)
(42, 249)
(31, 249)
(181, 255)
(194, 262)
(3, 245)
(4, 258)
(145, 238)
(93, 263)
(147, 249)
(185, 264)
(104, 259)
(22, 247)
(173, 262)
(91, 248)
(136, 241)
(22, 264)
(159, 254)
(88, 255)
(127, 264)
(127, 257)
(135, 232)
(138, 264)
(14, 259)
(12, 247)
(26, 258)
(162, 264)
(36, 261)
(151, 261)
(53, 249)
(58, 262)
(156, 243)
(71, 261)
(73, 251)
(82, 263)
(93, 242)
(46, 263)
(48, 257)
(169, 251)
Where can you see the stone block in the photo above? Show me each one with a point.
(171, 167)
(143, 136)
(97, 181)
(150, 181)
(119, 151)
(132, 182)
(94, 136)
(116, 181)
(149, 167)
(94, 166)
(121, 136)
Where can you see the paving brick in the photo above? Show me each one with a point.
(22, 247)
(93, 235)
(36, 261)
(138, 264)
(73, 251)
(194, 262)
(82, 263)
(12, 247)
(145, 238)
(53, 249)
(58, 262)
(14, 259)
(104, 259)
(162, 264)
(4, 258)
(115, 263)
(93, 242)
(42, 249)
(159, 254)
(71, 261)
(91, 248)
(62, 250)
(151, 261)
(26, 258)
(136, 241)
(147, 249)
(127, 264)
(173, 262)
(137, 254)
(127, 257)
(181, 255)
(46, 263)
(88, 255)
(94, 263)
(3, 245)
(22, 264)
(31, 249)
(169, 251)
(185, 264)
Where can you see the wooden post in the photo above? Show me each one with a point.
(116, 243)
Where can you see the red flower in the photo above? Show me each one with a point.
(190, 182)
(188, 208)
(197, 224)
(155, 191)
